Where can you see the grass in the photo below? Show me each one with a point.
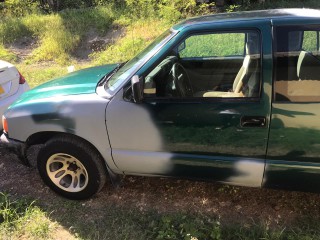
(22, 219)
(138, 35)
(39, 73)
(7, 55)
(65, 32)
(58, 35)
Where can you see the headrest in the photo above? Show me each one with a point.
(252, 48)
(308, 67)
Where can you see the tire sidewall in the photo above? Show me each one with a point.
(82, 155)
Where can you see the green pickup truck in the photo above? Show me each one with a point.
(231, 97)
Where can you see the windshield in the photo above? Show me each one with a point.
(134, 64)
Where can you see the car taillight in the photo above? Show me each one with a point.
(22, 80)
(4, 124)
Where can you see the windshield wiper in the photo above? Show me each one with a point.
(106, 77)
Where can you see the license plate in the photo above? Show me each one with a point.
(1, 90)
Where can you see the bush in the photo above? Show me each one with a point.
(18, 8)
(169, 10)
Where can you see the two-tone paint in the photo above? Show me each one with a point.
(67, 105)
(193, 138)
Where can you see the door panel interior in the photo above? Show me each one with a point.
(212, 74)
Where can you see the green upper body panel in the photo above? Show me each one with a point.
(80, 82)
(267, 15)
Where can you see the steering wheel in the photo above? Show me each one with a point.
(181, 80)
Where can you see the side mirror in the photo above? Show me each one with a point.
(136, 89)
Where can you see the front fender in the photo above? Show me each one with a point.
(81, 115)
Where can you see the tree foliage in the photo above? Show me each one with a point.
(170, 8)
(174, 8)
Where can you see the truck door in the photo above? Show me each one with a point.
(205, 112)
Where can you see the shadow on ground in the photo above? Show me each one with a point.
(128, 211)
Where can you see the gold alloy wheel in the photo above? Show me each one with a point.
(67, 172)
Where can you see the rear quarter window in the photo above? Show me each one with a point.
(297, 64)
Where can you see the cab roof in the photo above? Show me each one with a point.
(292, 13)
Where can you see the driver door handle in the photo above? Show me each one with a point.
(253, 121)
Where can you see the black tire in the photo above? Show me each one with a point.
(71, 167)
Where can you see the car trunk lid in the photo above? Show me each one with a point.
(9, 79)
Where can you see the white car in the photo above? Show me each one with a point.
(12, 85)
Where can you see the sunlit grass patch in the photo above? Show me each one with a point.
(7, 55)
(21, 219)
(12, 29)
(138, 35)
(35, 224)
(78, 21)
(37, 74)
(56, 42)
(58, 34)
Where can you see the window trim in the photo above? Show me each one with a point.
(208, 99)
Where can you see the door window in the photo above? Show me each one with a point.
(213, 45)
(310, 41)
(211, 65)
(297, 64)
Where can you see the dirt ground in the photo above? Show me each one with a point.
(234, 205)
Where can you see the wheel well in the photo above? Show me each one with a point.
(43, 137)
(40, 138)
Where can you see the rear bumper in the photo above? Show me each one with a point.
(16, 147)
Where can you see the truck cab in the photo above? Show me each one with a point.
(228, 97)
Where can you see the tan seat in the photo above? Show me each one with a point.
(238, 83)
(308, 66)
(306, 88)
